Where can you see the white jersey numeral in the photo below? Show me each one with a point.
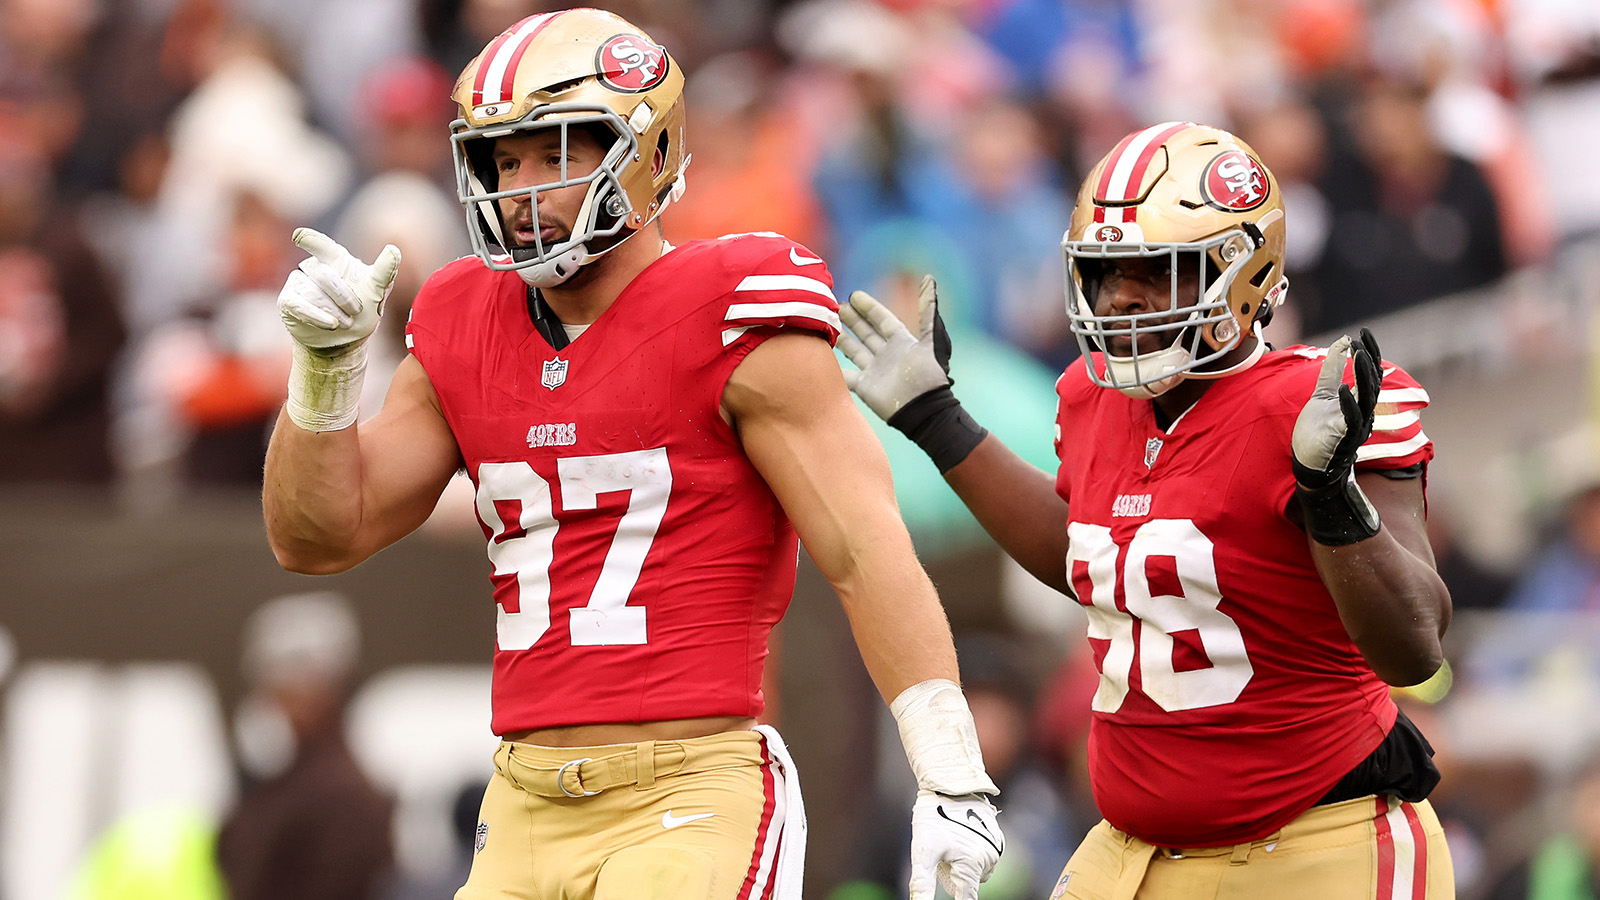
(1160, 616)
(606, 619)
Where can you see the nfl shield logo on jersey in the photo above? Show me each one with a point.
(555, 373)
(481, 837)
(1152, 448)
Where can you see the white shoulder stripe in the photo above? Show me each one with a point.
(1403, 395)
(1396, 421)
(800, 308)
(729, 335)
(785, 283)
(411, 342)
(1370, 451)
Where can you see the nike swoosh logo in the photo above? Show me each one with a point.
(981, 831)
(797, 259)
(668, 820)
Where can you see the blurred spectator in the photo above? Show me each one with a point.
(1565, 866)
(1291, 134)
(1554, 47)
(1410, 220)
(747, 145)
(1008, 217)
(334, 46)
(1453, 49)
(220, 370)
(406, 112)
(211, 357)
(1566, 577)
(308, 824)
(59, 330)
(243, 129)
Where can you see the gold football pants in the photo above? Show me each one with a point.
(1370, 848)
(715, 817)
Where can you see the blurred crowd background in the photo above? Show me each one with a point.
(1440, 161)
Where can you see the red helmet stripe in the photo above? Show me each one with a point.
(1105, 171)
(500, 71)
(1127, 168)
(488, 56)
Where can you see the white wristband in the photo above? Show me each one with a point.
(325, 386)
(940, 738)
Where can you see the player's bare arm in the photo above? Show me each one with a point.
(1017, 504)
(798, 426)
(905, 379)
(1391, 600)
(1367, 532)
(334, 493)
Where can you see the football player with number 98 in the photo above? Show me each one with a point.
(1244, 528)
(649, 430)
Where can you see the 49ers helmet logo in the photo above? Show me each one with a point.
(1234, 182)
(630, 64)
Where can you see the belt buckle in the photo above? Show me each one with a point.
(561, 772)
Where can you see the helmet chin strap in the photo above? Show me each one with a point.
(1173, 359)
(556, 270)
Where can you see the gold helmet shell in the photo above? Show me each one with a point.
(1166, 190)
(572, 68)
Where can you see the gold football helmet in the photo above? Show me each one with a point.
(1193, 194)
(578, 68)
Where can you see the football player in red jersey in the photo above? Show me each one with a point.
(1244, 528)
(650, 430)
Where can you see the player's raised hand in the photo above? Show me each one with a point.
(895, 366)
(1336, 421)
(954, 840)
(1331, 428)
(334, 300)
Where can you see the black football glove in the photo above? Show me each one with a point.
(1331, 428)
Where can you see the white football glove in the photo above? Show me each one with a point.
(955, 840)
(895, 366)
(955, 836)
(331, 305)
(334, 299)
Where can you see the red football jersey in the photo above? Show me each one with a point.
(639, 559)
(1231, 698)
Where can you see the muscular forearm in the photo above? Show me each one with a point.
(895, 616)
(1018, 506)
(1392, 603)
(312, 512)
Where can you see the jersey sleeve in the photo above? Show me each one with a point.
(783, 286)
(1397, 440)
(428, 316)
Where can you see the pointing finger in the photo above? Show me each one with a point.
(323, 247)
